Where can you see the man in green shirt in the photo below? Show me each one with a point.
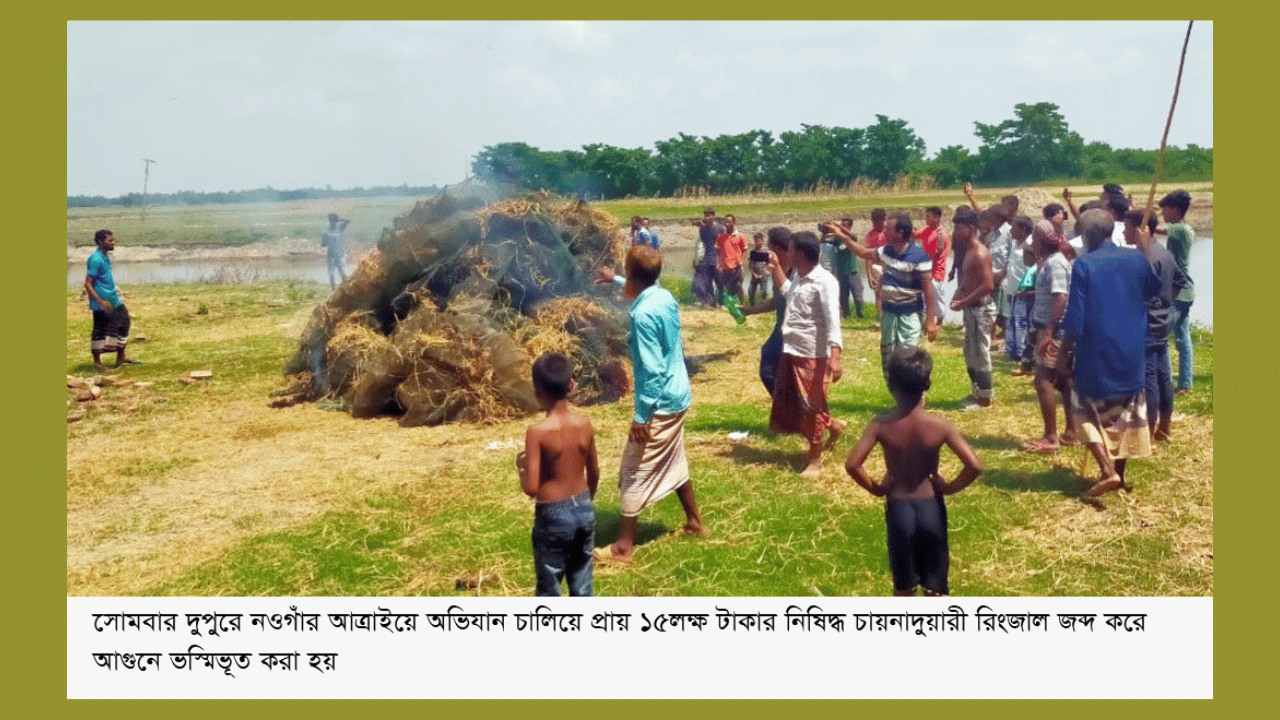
(846, 273)
(1173, 208)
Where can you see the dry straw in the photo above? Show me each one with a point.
(443, 322)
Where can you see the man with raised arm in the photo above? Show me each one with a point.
(654, 463)
(906, 287)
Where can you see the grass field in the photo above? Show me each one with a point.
(176, 489)
(235, 223)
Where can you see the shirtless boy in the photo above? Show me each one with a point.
(914, 513)
(560, 470)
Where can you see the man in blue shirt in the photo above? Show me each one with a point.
(653, 462)
(110, 316)
(643, 234)
(1106, 327)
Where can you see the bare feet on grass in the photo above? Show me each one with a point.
(812, 470)
(834, 431)
(692, 529)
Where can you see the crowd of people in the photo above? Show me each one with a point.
(1088, 317)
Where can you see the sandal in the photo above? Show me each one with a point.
(1104, 486)
(605, 555)
(1040, 448)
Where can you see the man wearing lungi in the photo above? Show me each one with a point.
(653, 462)
(110, 316)
(811, 347)
(1105, 324)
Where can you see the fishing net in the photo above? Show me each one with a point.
(442, 322)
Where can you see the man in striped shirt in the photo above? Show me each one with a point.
(906, 289)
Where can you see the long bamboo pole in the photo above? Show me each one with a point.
(1151, 198)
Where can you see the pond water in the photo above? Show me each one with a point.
(678, 262)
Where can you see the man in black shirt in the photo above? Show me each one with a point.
(706, 283)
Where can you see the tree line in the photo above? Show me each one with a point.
(1035, 145)
(259, 195)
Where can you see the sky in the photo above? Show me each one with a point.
(226, 106)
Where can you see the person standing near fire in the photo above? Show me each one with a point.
(334, 240)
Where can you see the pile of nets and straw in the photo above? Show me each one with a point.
(443, 321)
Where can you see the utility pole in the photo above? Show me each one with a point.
(146, 174)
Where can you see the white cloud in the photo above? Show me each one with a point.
(578, 35)
(523, 85)
(1069, 54)
(609, 92)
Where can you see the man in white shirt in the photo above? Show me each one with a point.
(811, 348)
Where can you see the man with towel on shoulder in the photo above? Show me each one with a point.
(653, 462)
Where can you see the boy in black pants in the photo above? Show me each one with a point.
(914, 512)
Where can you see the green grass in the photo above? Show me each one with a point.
(462, 528)
(343, 553)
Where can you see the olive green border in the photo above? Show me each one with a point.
(35, 520)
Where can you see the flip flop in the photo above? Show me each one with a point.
(1104, 486)
(128, 361)
(1035, 446)
(605, 555)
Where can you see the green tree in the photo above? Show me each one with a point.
(683, 162)
(514, 163)
(1034, 145)
(952, 166)
(891, 145)
(616, 172)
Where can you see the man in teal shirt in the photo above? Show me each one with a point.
(1173, 209)
(653, 462)
(110, 316)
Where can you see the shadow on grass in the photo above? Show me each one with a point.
(608, 523)
(844, 409)
(1063, 481)
(755, 426)
(774, 457)
(994, 442)
(714, 418)
(698, 363)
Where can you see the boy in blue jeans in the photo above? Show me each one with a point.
(1160, 320)
(560, 470)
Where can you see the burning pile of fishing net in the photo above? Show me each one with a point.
(443, 321)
